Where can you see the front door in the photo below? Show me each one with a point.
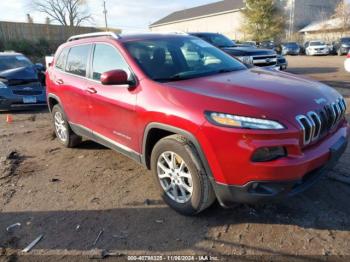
(112, 110)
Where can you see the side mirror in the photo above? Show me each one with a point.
(114, 77)
(40, 67)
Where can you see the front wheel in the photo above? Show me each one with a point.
(63, 132)
(183, 183)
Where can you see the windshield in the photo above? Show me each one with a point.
(317, 43)
(345, 40)
(13, 61)
(218, 40)
(180, 58)
(291, 45)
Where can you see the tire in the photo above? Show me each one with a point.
(63, 132)
(173, 178)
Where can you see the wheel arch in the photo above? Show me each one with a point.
(53, 100)
(163, 130)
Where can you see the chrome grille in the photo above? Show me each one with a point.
(316, 124)
(265, 60)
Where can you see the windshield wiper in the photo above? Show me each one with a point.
(175, 77)
(226, 70)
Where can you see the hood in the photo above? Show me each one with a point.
(269, 92)
(20, 74)
(247, 51)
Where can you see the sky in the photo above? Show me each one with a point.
(129, 15)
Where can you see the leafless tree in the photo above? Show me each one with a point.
(342, 12)
(65, 12)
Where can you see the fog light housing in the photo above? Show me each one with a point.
(265, 154)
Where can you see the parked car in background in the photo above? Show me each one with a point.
(290, 48)
(271, 45)
(250, 43)
(317, 47)
(21, 82)
(267, 44)
(205, 124)
(332, 48)
(246, 54)
(343, 46)
(347, 63)
(303, 48)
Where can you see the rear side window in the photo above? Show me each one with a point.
(77, 60)
(107, 58)
(62, 58)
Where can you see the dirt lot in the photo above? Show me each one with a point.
(70, 195)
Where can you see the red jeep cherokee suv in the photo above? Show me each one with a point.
(206, 125)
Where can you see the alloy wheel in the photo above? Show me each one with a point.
(60, 125)
(175, 177)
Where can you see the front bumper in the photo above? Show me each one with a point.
(273, 67)
(344, 50)
(271, 191)
(10, 102)
(291, 52)
(319, 52)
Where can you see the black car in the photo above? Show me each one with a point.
(248, 55)
(343, 46)
(290, 48)
(21, 82)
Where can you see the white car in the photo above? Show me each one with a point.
(347, 63)
(316, 48)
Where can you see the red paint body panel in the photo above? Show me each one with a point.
(122, 114)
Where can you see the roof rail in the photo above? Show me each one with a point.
(97, 34)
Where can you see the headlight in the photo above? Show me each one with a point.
(245, 59)
(228, 120)
(2, 85)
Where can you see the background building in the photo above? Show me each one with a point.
(329, 30)
(223, 17)
(226, 17)
(301, 13)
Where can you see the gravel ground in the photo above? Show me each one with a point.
(71, 195)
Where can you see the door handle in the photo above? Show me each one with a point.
(59, 82)
(91, 90)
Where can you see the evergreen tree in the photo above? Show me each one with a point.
(263, 20)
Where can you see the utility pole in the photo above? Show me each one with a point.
(291, 18)
(105, 13)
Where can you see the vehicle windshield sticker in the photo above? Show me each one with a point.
(201, 43)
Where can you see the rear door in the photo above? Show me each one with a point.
(112, 107)
(73, 85)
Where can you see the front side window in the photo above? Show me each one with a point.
(62, 58)
(77, 60)
(179, 58)
(107, 58)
